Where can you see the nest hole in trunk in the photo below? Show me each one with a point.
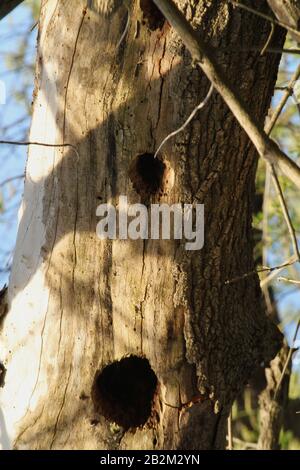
(123, 391)
(150, 175)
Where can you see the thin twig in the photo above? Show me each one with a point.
(289, 91)
(268, 40)
(266, 17)
(288, 359)
(267, 148)
(265, 213)
(268, 279)
(272, 171)
(261, 270)
(189, 119)
(202, 54)
(269, 50)
(41, 144)
(285, 279)
(285, 212)
(125, 30)
(33, 26)
(9, 180)
(229, 431)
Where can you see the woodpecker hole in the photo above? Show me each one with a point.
(151, 175)
(123, 392)
(152, 16)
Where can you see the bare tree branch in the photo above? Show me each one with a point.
(186, 123)
(41, 144)
(264, 49)
(292, 260)
(289, 90)
(275, 273)
(201, 54)
(229, 432)
(288, 360)
(285, 279)
(9, 180)
(283, 24)
(285, 212)
(287, 11)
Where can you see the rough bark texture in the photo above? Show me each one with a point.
(78, 303)
(272, 407)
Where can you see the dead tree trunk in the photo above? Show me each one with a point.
(135, 344)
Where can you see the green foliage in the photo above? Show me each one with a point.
(288, 441)
(294, 391)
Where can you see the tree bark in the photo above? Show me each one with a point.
(272, 405)
(123, 344)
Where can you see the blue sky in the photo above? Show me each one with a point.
(12, 158)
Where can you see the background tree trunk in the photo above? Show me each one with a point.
(77, 304)
(272, 405)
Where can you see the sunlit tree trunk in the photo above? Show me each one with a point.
(135, 344)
